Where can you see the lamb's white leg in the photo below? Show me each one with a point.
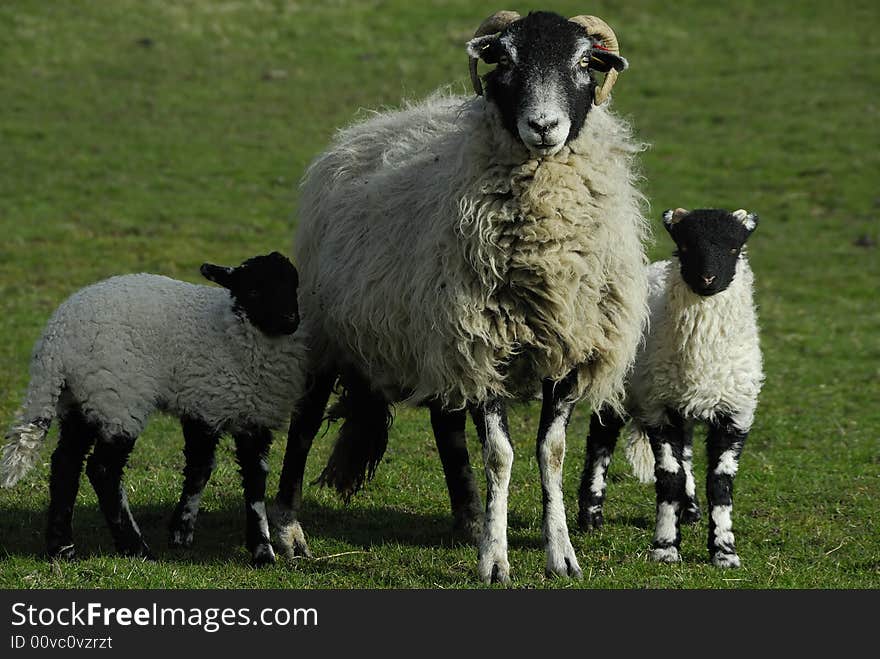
(555, 413)
(491, 421)
(724, 447)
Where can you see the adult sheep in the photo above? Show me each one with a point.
(461, 251)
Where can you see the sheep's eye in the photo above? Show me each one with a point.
(734, 251)
(584, 62)
(682, 248)
(504, 60)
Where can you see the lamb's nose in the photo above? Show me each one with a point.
(543, 125)
(708, 279)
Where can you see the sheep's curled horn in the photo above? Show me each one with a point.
(594, 26)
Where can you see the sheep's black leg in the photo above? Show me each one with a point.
(200, 444)
(724, 445)
(464, 497)
(252, 451)
(490, 419)
(304, 425)
(75, 439)
(690, 511)
(550, 449)
(667, 444)
(604, 430)
(104, 469)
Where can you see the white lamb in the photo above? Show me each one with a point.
(701, 362)
(224, 361)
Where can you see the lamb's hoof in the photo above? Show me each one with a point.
(494, 568)
(62, 553)
(468, 525)
(725, 560)
(590, 520)
(561, 560)
(181, 538)
(263, 556)
(691, 514)
(665, 555)
(140, 550)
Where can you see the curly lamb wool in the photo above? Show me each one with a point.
(474, 283)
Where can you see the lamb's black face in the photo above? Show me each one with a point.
(709, 244)
(543, 83)
(264, 287)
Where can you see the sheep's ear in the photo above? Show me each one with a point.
(604, 60)
(485, 48)
(749, 220)
(218, 274)
(672, 217)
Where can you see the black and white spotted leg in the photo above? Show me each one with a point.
(104, 469)
(74, 442)
(200, 444)
(605, 428)
(667, 443)
(550, 449)
(252, 452)
(304, 425)
(464, 497)
(724, 446)
(690, 512)
(490, 419)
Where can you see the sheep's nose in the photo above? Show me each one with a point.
(543, 125)
(708, 279)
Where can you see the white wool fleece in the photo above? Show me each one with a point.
(440, 259)
(702, 354)
(129, 345)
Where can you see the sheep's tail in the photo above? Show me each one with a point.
(361, 441)
(639, 454)
(26, 436)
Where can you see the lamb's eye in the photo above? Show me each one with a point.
(504, 60)
(584, 62)
(734, 251)
(682, 248)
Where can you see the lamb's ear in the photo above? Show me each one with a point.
(485, 48)
(749, 220)
(218, 274)
(604, 60)
(672, 217)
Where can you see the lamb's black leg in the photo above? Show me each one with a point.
(464, 497)
(75, 439)
(200, 444)
(304, 425)
(667, 444)
(690, 512)
(104, 469)
(252, 451)
(604, 431)
(490, 419)
(724, 445)
(556, 411)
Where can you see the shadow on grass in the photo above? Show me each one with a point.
(219, 534)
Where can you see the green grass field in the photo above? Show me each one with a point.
(152, 136)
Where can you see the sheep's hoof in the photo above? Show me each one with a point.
(494, 568)
(289, 535)
(561, 559)
(691, 514)
(590, 521)
(181, 539)
(263, 556)
(665, 555)
(725, 560)
(62, 553)
(140, 550)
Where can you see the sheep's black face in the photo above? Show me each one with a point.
(543, 84)
(709, 243)
(264, 288)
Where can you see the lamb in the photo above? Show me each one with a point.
(701, 362)
(449, 254)
(224, 361)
